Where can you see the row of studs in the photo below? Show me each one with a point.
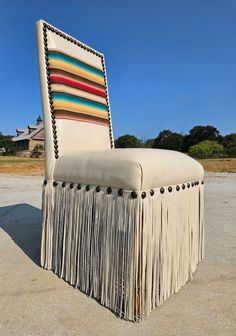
(108, 104)
(133, 194)
(54, 128)
(70, 39)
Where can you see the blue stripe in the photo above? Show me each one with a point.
(61, 57)
(78, 100)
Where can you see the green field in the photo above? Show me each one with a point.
(28, 166)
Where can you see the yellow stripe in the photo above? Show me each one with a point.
(77, 92)
(73, 107)
(81, 59)
(75, 70)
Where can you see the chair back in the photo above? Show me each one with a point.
(74, 94)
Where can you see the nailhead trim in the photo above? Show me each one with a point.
(120, 192)
(134, 194)
(108, 103)
(45, 27)
(143, 195)
(109, 190)
(74, 41)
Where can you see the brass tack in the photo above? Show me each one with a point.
(133, 194)
(152, 192)
(71, 185)
(169, 188)
(63, 184)
(109, 190)
(183, 186)
(54, 184)
(87, 187)
(98, 189)
(177, 187)
(143, 195)
(79, 186)
(120, 192)
(162, 190)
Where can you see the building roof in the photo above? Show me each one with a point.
(32, 126)
(21, 130)
(29, 133)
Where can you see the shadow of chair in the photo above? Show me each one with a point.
(22, 222)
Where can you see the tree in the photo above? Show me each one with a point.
(128, 141)
(149, 143)
(229, 143)
(206, 149)
(169, 140)
(198, 134)
(6, 142)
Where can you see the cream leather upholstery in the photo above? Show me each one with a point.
(71, 135)
(130, 169)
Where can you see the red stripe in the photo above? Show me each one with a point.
(62, 80)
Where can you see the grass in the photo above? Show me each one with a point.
(219, 165)
(28, 166)
(22, 166)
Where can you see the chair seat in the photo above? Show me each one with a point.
(130, 169)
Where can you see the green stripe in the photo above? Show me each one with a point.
(61, 57)
(78, 100)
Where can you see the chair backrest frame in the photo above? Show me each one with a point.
(50, 123)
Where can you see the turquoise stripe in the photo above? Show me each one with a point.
(61, 57)
(78, 100)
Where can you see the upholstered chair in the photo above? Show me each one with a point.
(125, 226)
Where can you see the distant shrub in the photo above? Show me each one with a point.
(37, 152)
(206, 149)
(128, 141)
(231, 152)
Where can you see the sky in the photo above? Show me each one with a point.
(171, 64)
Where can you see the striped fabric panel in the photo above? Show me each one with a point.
(78, 89)
(86, 81)
(75, 84)
(63, 114)
(77, 92)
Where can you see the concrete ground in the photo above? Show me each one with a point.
(37, 302)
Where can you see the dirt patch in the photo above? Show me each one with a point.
(28, 166)
(21, 166)
(219, 165)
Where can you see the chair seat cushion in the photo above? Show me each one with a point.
(130, 169)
